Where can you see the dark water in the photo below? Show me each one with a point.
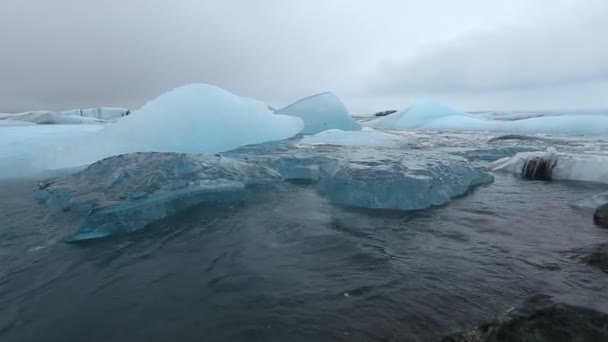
(289, 266)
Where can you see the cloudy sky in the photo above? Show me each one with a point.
(381, 54)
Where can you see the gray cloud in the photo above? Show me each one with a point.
(64, 54)
(560, 48)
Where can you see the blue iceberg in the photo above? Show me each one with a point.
(321, 112)
(127, 193)
(431, 115)
(190, 119)
(416, 180)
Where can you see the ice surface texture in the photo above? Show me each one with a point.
(193, 118)
(431, 115)
(321, 112)
(415, 180)
(126, 193)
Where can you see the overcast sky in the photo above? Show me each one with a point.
(381, 54)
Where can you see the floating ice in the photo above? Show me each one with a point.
(127, 193)
(435, 116)
(592, 202)
(75, 116)
(22, 148)
(416, 180)
(321, 112)
(554, 165)
(193, 118)
(366, 137)
(103, 113)
(49, 118)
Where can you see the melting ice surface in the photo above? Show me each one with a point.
(321, 112)
(193, 118)
(431, 115)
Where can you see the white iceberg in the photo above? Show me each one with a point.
(190, 119)
(321, 112)
(102, 113)
(554, 165)
(432, 115)
(75, 116)
(366, 137)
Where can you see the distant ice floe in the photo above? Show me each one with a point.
(366, 137)
(76, 116)
(431, 115)
(321, 112)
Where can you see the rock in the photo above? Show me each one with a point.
(540, 319)
(385, 113)
(600, 217)
(128, 192)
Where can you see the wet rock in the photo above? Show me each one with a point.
(600, 217)
(540, 319)
(126, 193)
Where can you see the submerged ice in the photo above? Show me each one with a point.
(193, 118)
(321, 112)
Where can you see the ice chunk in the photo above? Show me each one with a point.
(592, 202)
(554, 165)
(126, 193)
(431, 115)
(415, 181)
(365, 137)
(193, 118)
(23, 148)
(321, 112)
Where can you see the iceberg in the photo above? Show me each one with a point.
(102, 113)
(190, 119)
(127, 193)
(321, 112)
(430, 115)
(49, 118)
(366, 137)
(553, 165)
(76, 116)
(415, 180)
(23, 148)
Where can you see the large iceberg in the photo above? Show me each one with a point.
(432, 115)
(127, 193)
(191, 119)
(559, 166)
(321, 112)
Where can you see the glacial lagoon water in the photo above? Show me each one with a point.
(291, 266)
